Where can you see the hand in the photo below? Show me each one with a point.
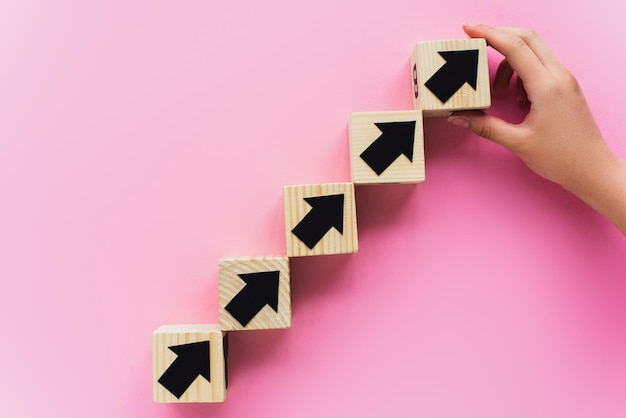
(559, 138)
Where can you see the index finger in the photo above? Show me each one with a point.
(517, 52)
(543, 52)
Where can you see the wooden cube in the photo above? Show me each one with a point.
(254, 293)
(189, 363)
(387, 147)
(320, 219)
(450, 75)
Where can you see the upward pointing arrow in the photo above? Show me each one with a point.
(192, 361)
(397, 139)
(326, 213)
(461, 67)
(261, 289)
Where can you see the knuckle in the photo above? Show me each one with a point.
(561, 84)
(529, 34)
(569, 80)
(565, 83)
(516, 43)
(485, 131)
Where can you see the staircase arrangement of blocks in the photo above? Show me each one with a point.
(190, 362)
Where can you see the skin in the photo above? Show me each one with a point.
(559, 138)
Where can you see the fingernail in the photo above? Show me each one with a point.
(468, 25)
(459, 121)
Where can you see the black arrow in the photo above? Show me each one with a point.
(397, 139)
(326, 213)
(192, 360)
(461, 67)
(261, 289)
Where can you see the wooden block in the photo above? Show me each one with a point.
(189, 363)
(387, 147)
(450, 75)
(254, 293)
(320, 219)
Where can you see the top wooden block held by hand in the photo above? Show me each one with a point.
(450, 75)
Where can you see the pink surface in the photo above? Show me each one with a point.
(142, 141)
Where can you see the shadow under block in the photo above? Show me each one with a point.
(254, 293)
(189, 363)
(320, 219)
(387, 147)
(450, 75)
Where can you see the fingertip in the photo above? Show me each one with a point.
(459, 121)
(488, 127)
(468, 27)
(472, 27)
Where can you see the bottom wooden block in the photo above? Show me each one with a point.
(189, 363)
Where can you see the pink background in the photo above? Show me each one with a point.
(141, 141)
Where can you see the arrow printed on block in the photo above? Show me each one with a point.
(326, 213)
(461, 67)
(192, 361)
(261, 289)
(396, 139)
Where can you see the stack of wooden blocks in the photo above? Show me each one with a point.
(190, 362)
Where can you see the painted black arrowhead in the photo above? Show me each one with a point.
(192, 361)
(326, 213)
(461, 67)
(261, 289)
(397, 139)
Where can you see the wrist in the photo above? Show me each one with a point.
(602, 185)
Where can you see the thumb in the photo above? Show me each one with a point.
(489, 127)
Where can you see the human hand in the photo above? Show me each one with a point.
(559, 138)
